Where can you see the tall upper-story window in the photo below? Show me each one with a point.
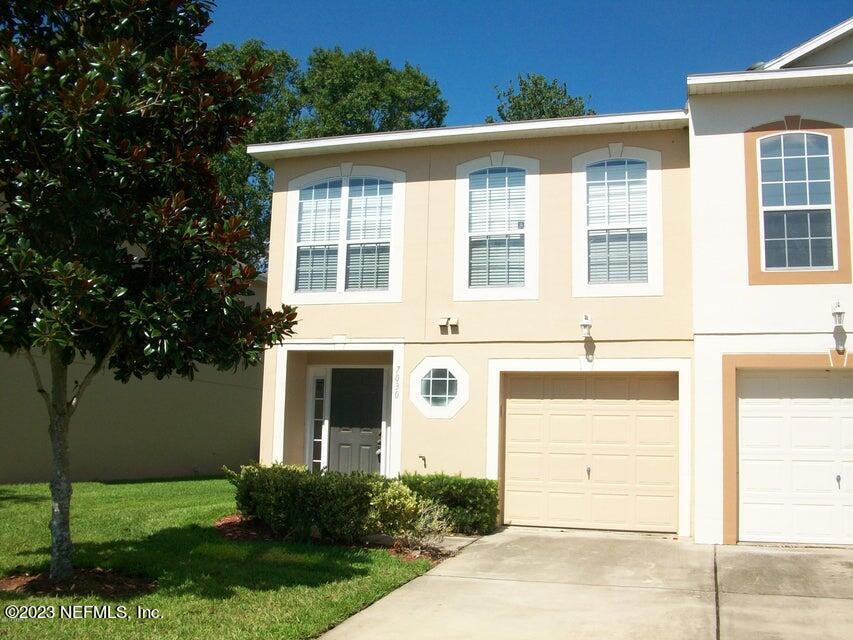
(616, 219)
(617, 222)
(496, 227)
(796, 201)
(348, 231)
(497, 234)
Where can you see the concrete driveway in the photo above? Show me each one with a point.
(523, 583)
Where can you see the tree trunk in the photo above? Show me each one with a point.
(61, 548)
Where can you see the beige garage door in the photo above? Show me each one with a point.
(593, 451)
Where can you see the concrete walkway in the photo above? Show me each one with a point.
(524, 583)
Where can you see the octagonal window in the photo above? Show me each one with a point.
(439, 387)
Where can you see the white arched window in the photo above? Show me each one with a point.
(617, 222)
(497, 229)
(348, 230)
(796, 201)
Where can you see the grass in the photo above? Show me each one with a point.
(208, 586)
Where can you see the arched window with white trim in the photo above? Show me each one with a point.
(496, 227)
(348, 232)
(796, 201)
(617, 220)
(496, 245)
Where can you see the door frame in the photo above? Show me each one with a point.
(732, 363)
(312, 374)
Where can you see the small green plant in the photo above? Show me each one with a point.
(472, 503)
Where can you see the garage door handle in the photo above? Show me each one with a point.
(587, 473)
(838, 480)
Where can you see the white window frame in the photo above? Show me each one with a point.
(530, 290)
(462, 383)
(581, 287)
(344, 172)
(804, 207)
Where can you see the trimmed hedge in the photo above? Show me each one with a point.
(471, 502)
(334, 507)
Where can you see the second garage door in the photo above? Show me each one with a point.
(593, 451)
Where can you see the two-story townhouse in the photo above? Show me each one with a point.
(770, 153)
(508, 301)
(521, 301)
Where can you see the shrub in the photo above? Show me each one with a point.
(336, 507)
(281, 496)
(472, 503)
(395, 509)
(429, 527)
(342, 511)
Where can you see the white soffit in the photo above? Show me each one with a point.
(622, 122)
(743, 81)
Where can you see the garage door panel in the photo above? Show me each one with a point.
(656, 471)
(847, 433)
(525, 467)
(609, 423)
(759, 476)
(770, 520)
(656, 430)
(814, 432)
(527, 507)
(813, 476)
(791, 448)
(567, 467)
(611, 429)
(654, 511)
(612, 510)
(526, 429)
(568, 428)
(567, 508)
(762, 432)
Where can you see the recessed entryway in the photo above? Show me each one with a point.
(795, 456)
(597, 451)
(347, 417)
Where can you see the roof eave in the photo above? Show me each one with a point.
(268, 153)
(762, 80)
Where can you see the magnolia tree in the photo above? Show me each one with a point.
(116, 248)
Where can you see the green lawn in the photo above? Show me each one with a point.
(208, 587)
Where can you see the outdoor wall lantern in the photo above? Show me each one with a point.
(586, 326)
(838, 332)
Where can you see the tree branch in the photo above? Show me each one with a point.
(39, 384)
(90, 375)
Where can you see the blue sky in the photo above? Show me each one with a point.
(628, 56)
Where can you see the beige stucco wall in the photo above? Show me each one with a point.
(146, 428)
(640, 327)
(428, 250)
(143, 429)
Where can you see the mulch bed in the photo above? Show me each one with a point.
(236, 527)
(99, 582)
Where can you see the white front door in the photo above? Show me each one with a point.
(795, 449)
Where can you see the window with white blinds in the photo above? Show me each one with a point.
(363, 208)
(496, 227)
(617, 221)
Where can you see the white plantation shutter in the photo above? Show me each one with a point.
(496, 226)
(369, 225)
(617, 219)
(318, 224)
(316, 268)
